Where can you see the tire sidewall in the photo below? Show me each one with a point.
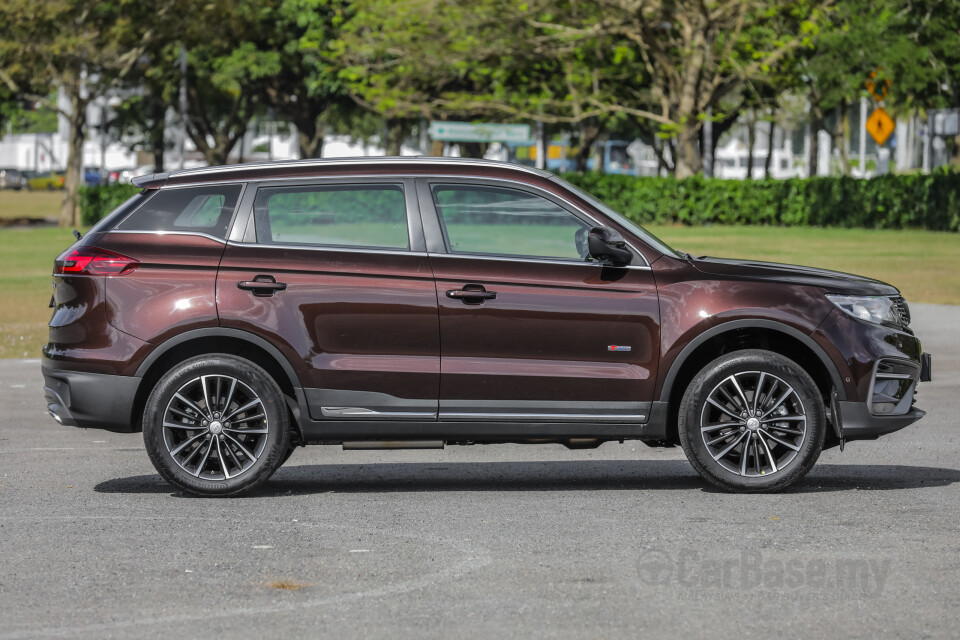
(711, 375)
(278, 436)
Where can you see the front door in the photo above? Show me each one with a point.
(530, 329)
(335, 275)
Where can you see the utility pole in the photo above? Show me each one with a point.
(183, 104)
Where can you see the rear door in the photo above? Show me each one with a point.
(335, 274)
(530, 330)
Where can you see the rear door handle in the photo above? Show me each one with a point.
(262, 285)
(471, 294)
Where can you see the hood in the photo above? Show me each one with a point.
(831, 281)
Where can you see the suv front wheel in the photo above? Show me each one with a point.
(216, 425)
(752, 421)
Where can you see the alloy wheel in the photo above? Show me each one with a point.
(753, 423)
(215, 427)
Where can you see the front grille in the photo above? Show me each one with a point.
(902, 309)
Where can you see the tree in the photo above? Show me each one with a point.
(82, 46)
(304, 85)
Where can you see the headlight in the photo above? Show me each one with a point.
(878, 309)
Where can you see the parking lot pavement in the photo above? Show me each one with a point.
(506, 541)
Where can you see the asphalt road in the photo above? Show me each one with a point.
(499, 541)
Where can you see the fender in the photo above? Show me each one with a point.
(806, 340)
(220, 332)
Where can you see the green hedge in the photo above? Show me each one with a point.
(924, 201)
(96, 202)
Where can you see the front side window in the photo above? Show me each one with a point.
(501, 221)
(206, 209)
(343, 216)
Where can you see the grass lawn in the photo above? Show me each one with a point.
(924, 265)
(30, 204)
(26, 261)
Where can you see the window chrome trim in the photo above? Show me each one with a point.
(512, 258)
(313, 247)
(169, 233)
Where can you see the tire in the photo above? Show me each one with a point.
(740, 446)
(198, 452)
(286, 456)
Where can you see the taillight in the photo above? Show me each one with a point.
(95, 262)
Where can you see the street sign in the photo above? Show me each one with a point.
(478, 132)
(880, 125)
(878, 92)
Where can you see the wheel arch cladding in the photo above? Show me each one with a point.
(203, 341)
(746, 334)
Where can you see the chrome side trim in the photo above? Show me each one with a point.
(329, 248)
(474, 256)
(543, 417)
(168, 233)
(361, 412)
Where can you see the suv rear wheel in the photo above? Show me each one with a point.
(216, 425)
(752, 421)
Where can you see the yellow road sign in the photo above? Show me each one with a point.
(880, 125)
(879, 92)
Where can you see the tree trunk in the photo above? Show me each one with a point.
(816, 123)
(156, 138)
(769, 159)
(844, 125)
(70, 207)
(472, 149)
(310, 137)
(396, 132)
(687, 160)
(751, 141)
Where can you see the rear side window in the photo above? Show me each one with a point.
(341, 216)
(206, 209)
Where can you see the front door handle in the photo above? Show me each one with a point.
(262, 285)
(471, 294)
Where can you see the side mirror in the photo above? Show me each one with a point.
(608, 246)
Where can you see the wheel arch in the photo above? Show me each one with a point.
(212, 340)
(746, 334)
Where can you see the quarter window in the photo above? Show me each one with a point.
(354, 216)
(205, 209)
(499, 221)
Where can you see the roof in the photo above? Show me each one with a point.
(332, 167)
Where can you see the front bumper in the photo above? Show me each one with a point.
(90, 400)
(890, 405)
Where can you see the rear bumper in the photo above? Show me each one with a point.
(90, 400)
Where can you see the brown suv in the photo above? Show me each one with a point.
(233, 313)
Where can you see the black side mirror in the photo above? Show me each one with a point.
(608, 246)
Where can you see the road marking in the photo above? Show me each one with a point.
(476, 558)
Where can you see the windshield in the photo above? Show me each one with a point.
(621, 219)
